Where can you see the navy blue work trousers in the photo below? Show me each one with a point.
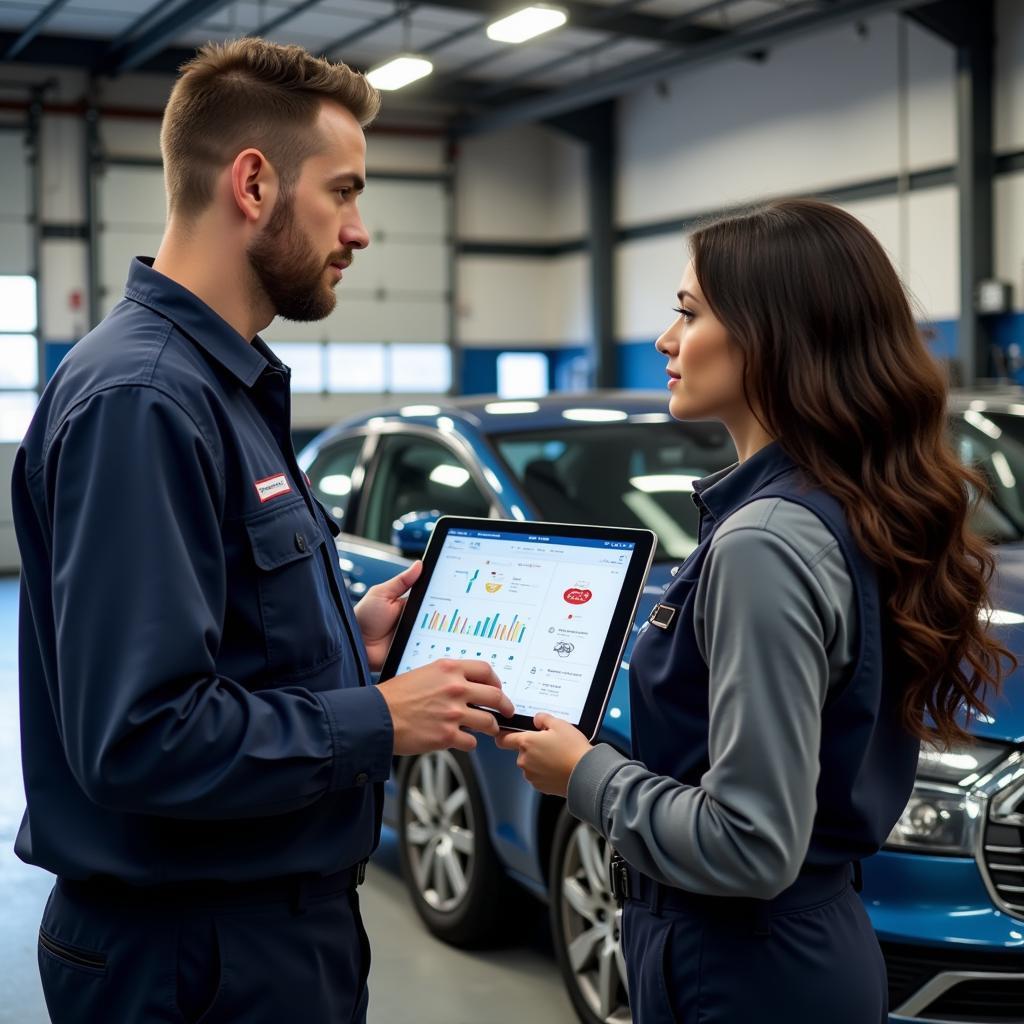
(813, 963)
(270, 962)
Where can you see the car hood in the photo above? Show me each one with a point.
(1006, 718)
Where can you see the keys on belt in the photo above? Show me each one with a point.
(618, 879)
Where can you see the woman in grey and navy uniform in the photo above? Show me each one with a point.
(827, 622)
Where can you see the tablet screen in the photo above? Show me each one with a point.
(537, 606)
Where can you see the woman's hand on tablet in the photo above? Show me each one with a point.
(430, 706)
(547, 757)
(379, 610)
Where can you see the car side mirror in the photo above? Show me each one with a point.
(411, 533)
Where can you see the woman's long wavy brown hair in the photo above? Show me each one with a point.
(838, 371)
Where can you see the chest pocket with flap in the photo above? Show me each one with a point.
(301, 625)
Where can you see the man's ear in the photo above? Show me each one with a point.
(254, 185)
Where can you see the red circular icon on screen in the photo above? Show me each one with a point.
(575, 595)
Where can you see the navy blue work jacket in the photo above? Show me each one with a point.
(195, 698)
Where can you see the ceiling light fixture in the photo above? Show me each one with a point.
(399, 72)
(527, 23)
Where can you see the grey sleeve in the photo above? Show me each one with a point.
(767, 626)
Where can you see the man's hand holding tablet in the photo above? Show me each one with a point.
(430, 706)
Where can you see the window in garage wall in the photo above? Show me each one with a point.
(372, 368)
(19, 355)
(523, 374)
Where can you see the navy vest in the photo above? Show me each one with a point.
(868, 760)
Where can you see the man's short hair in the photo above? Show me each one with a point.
(250, 93)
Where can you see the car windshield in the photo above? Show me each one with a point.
(984, 441)
(623, 474)
(641, 474)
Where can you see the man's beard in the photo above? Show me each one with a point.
(288, 270)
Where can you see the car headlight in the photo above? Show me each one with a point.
(942, 812)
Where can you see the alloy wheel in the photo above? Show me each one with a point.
(592, 926)
(440, 830)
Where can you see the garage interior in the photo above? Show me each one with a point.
(528, 206)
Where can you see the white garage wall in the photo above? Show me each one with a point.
(1009, 229)
(1009, 85)
(516, 303)
(523, 184)
(648, 270)
(819, 112)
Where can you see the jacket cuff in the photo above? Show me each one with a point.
(362, 735)
(588, 782)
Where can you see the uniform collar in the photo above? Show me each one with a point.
(723, 492)
(208, 329)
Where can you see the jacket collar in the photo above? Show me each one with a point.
(198, 321)
(723, 492)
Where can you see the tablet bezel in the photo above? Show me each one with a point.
(644, 543)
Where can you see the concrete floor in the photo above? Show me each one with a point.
(414, 977)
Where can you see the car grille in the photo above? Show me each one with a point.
(1004, 862)
(980, 1001)
(975, 1000)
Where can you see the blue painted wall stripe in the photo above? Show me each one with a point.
(640, 365)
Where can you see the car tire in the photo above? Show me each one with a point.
(586, 924)
(454, 877)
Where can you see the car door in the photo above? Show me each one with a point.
(412, 471)
(335, 475)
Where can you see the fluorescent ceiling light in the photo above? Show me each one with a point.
(399, 71)
(525, 24)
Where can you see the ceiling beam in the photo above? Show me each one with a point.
(744, 40)
(86, 53)
(598, 18)
(136, 52)
(368, 29)
(948, 19)
(78, 52)
(32, 29)
(505, 85)
(283, 17)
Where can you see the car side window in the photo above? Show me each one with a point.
(415, 474)
(331, 476)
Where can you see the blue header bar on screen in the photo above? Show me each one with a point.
(544, 538)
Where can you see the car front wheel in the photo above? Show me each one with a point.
(453, 875)
(586, 924)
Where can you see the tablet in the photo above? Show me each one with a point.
(549, 606)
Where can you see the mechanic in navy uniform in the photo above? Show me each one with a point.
(204, 752)
(778, 691)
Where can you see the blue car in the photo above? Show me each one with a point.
(946, 895)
